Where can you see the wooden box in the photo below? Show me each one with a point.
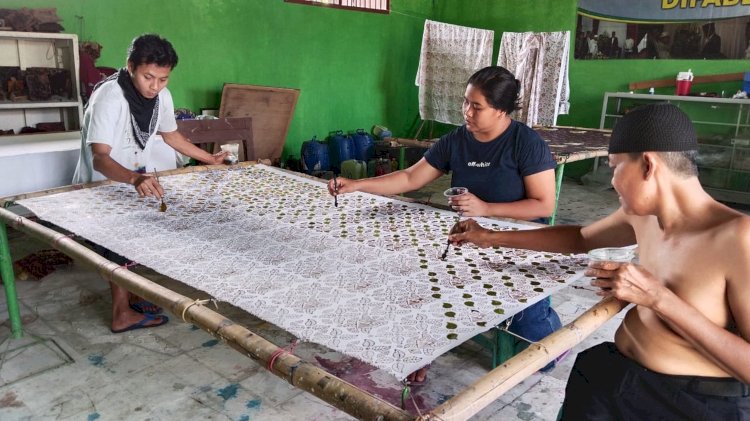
(271, 109)
(221, 131)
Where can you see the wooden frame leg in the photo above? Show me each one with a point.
(501, 345)
(559, 170)
(9, 283)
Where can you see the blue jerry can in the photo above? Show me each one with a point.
(364, 145)
(340, 149)
(315, 156)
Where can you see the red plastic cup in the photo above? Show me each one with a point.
(683, 87)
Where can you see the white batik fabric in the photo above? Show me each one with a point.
(363, 278)
(450, 55)
(540, 61)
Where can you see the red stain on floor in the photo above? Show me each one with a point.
(358, 373)
(9, 401)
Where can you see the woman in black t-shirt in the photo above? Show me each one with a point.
(506, 166)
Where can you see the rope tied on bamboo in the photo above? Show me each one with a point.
(105, 268)
(125, 266)
(198, 302)
(281, 351)
(505, 328)
(406, 393)
(18, 222)
(61, 237)
(414, 402)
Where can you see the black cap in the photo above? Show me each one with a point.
(659, 127)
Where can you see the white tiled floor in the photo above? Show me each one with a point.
(69, 366)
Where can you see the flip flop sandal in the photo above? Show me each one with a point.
(144, 323)
(146, 307)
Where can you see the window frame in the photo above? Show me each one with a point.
(341, 6)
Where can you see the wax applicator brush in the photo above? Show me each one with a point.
(163, 206)
(335, 190)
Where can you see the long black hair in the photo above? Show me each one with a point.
(499, 86)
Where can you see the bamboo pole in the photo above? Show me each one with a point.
(498, 381)
(5, 201)
(289, 367)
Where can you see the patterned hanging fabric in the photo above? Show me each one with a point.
(540, 61)
(450, 55)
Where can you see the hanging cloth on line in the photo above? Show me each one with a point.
(540, 61)
(450, 55)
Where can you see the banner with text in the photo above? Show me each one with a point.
(663, 29)
(664, 10)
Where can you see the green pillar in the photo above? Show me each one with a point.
(6, 271)
(558, 184)
(402, 157)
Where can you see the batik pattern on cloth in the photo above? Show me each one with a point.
(570, 144)
(540, 61)
(363, 278)
(450, 55)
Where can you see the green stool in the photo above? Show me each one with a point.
(501, 345)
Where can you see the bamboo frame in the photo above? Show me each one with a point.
(6, 201)
(498, 381)
(289, 367)
(303, 375)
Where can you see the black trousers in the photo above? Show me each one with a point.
(606, 385)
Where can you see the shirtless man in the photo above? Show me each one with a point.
(682, 351)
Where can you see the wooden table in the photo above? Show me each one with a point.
(567, 144)
(220, 131)
(571, 144)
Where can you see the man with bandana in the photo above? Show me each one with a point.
(682, 350)
(119, 142)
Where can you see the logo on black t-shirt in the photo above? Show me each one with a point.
(478, 164)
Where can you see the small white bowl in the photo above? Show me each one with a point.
(612, 254)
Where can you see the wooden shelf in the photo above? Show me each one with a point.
(663, 83)
(37, 105)
(25, 50)
(33, 143)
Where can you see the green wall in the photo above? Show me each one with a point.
(354, 69)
